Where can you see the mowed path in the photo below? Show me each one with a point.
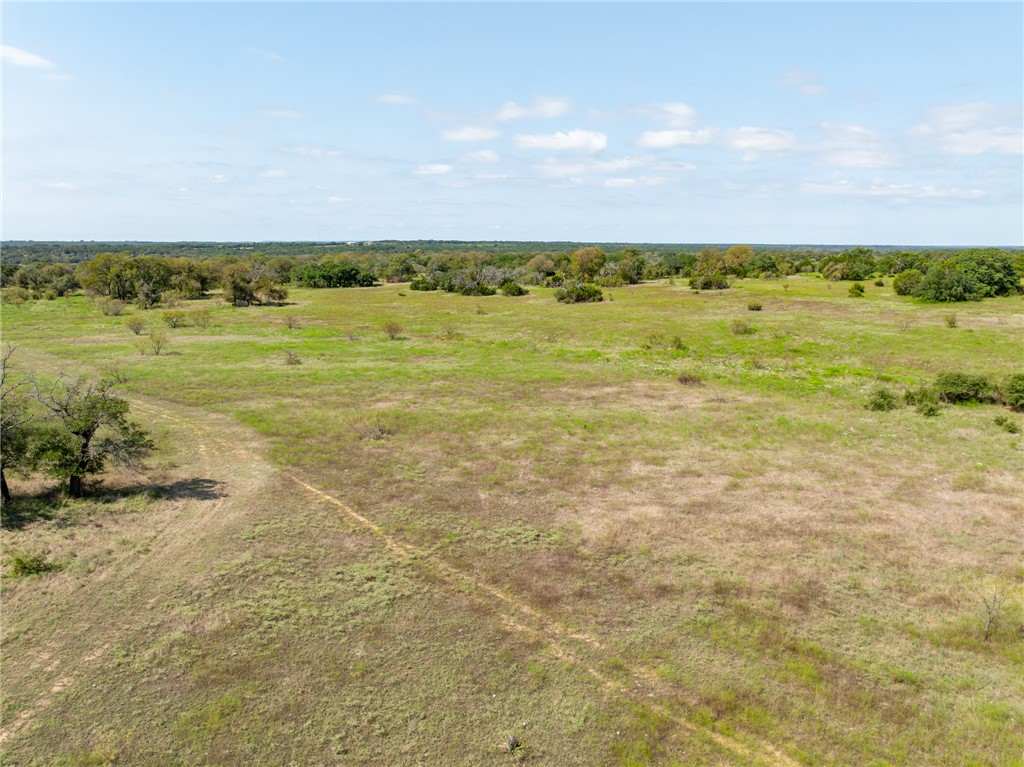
(230, 458)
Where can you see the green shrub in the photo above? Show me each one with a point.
(135, 323)
(421, 282)
(742, 328)
(879, 283)
(175, 318)
(945, 281)
(392, 330)
(690, 378)
(510, 288)
(884, 399)
(1012, 391)
(754, 306)
(991, 269)
(928, 409)
(950, 320)
(903, 284)
(23, 564)
(201, 318)
(856, 290)
(709, 281)
(1006, 424)
(579, 293)
(962, 387)
(925, 399)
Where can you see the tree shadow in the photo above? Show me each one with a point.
(55, 505)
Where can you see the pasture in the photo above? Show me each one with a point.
(633, 532)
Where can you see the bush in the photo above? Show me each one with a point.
(510, 288)
(201, 318)
(1006, 424)
(689, 378)
(175, 318)
(945, 281)
(905, 282)
(709, 281)
(991, 269)
(392, 330)
(754, 306)
(112, 307)
(950, 320)
(742, 328)
(291, 358)
(23, 564)
(1012, 391)
(924, 399)
(579, 294)
(879, 283)
(883, 399)
(962, 387)
(331, 274)
(15, 296)
(157, 342)
(856, 290)
(135, 323)
(421, 282)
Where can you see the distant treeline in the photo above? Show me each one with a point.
(249, 277)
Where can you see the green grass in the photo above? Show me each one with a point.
(778, 563)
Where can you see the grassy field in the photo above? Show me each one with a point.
(553, 539)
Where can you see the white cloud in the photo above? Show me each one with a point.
(625, 183)
(665, 139)
(590, 141)
(853, 146)
(19, 58)
(553, 168)
(491, 176)
(843, 188)
(312, 151)
(756, 141)
(541, 107)
(338, 200)
(219, 178)
(484, 155)
(675, 114)
(470, 133)
(283, 114)
(973, 129)
(396, 98)
(433, 169)
(64, 186)
(805, 82)
(273, 173)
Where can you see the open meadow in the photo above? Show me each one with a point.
(663, 529)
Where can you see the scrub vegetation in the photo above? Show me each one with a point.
(382, 525)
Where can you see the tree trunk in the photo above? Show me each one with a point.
(5, 491)
(75, 487)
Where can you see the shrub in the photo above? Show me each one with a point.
(903, 284)
(15, 296)
(742, 328)
(1012, 391)
(157, 342)
(856, 290)
(579, 293)
(175, 318)
(392, 330)
(709, 281)
(754, 306)
(690, 378)
(945, 281)
(962, 387)
(291, 321)
(23, 564)
(879, 283)
(950, 320)
(112, 307)
(369, 427)
(510, 288)
(291, 358)
(135, 323)
(924, 399)
(1006, 424)
(991, 269)
(201, 318)
(883, 399)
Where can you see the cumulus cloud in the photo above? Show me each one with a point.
(273, 173)
(589, 141)
(754, 142)
(21, 58)
(484, 155)
(554, 168)
(626, 183)
(853, 146)
(432, 169)
(805, 82)
(844, 188)
(665, 139)
(311, 151)
(541, 107)
(283, 114)
(470, 133)
(973, 129)
(396, 98)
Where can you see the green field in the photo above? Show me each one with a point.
(553, 539)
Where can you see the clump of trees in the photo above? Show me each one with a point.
(331, 274)
(69, 428)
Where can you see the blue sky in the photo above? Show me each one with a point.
(789, 123)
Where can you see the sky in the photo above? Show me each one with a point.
(824, 123)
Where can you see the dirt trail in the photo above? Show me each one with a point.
(516, 614)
